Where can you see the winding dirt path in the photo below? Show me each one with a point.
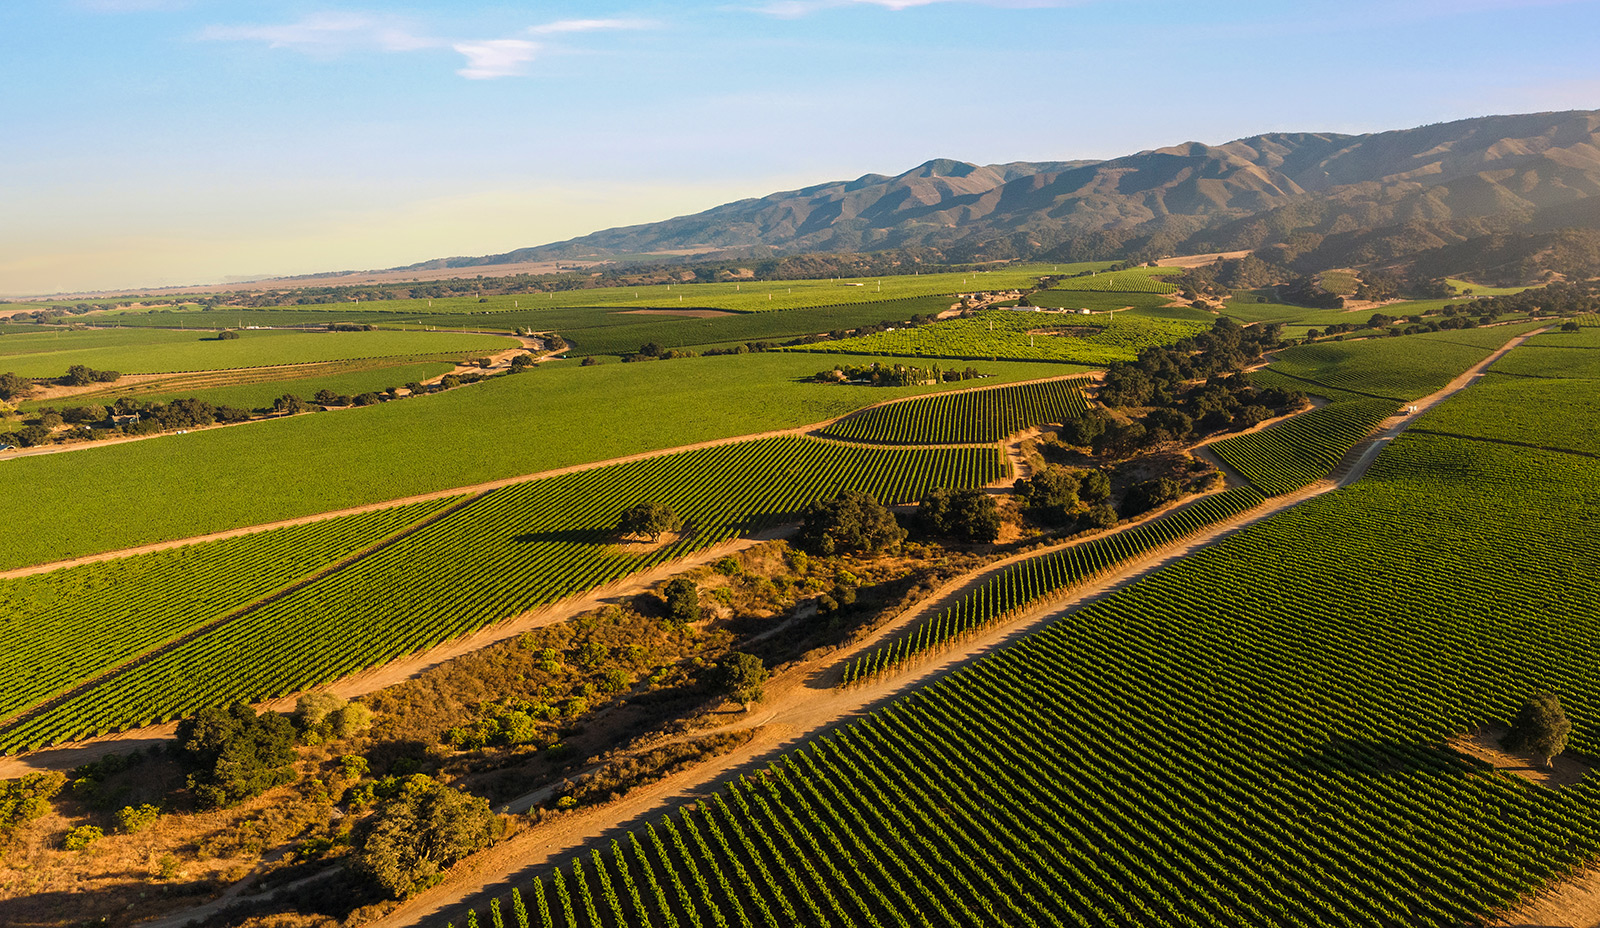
(807, 703)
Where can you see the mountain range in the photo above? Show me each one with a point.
(1309, 197)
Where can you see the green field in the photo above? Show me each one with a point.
(557, 415)
(737, 296)
(1538, 361)
(1404, 368)
(510, 551)
(625, 337)
(1465, 286)
(1519, 409)
(980, 416)
(1252, 736)
(1302, 450)
(1028, 583)
(54, 622)
(1133, 280)
(150, 351)
(1004, 333)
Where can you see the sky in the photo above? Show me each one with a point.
(165, 142)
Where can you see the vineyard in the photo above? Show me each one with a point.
(1539, 361)
(1028, 583)
(510, 551)
(625, 337)
(137, 351)
(54, 622)
(1253, 736)
(551, 417)
(1134, 280)
(974, 417)
(1557, 414)
(1024, 335)
(1404, 368)
(1304, 448)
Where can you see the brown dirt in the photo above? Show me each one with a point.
(1200, 260)
(1484, 744)
(1572, 903)
(690, 313)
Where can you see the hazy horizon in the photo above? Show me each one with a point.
(178, 142)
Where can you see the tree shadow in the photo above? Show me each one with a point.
(1380, 758)
(578, 536)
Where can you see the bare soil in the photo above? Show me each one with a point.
(1484, 744)
(1572, 903)
(1200, 260)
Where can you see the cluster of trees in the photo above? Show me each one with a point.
(968, 515)
(1223, 402)
(143, 418)
(897, 375)
(850, 523)
(1164, 380)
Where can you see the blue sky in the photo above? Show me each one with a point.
(153, 142)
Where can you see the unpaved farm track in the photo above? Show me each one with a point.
(811, 705)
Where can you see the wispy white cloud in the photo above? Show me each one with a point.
(496, 58)
(793, 9)
(329, 34)
(589, 25)
(332, 34)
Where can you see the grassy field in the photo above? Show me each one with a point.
(1133, 280)
(1254, 735)
(1468, 287)
(557, 415)
(737, 296)
(623, 332)
(1519, 409)
(1405, 368)
(1004, 333)
(149, 351)
(54, 622)
(1541, 361)
(510, 551)
(978, 416)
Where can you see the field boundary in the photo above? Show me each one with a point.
(201, 631)
(802, 430)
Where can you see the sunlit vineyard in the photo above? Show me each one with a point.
(1254, 736)
(1028, 583)
(1519, 409)
(514, 549)
(1023, 334)
(1304, 448)
(1405, 368)
(55, 623)
(978, 416)
(1134, 280)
